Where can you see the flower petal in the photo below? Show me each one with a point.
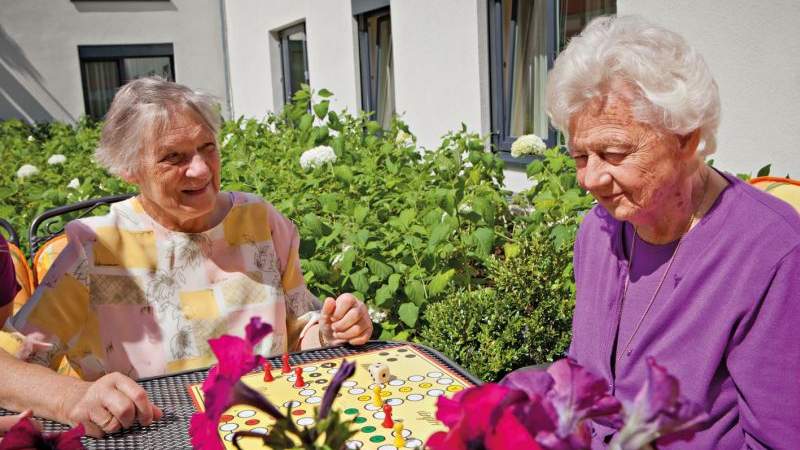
(22, 436)
(203, 431)
(345, 371)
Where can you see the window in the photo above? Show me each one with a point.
(377, 75)
(294, 60)
(524, 38)
(104, 68)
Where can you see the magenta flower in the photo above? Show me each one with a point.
(658, 413)
(345, 371)
(24, 435)
(482, 417)
(569, 395)
(235, 358)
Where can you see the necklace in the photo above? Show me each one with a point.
(625, 350)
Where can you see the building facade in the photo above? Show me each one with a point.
(437, 64)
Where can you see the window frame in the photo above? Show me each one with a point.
(118, 54)
(369, 88)
(500, 95)
(286, 69)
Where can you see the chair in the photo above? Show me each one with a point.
(46, 234)
(22, 270)
(785, 189)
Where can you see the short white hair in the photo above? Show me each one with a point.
(674, 85)
(140, 112)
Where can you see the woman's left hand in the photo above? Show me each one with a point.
(345, 319)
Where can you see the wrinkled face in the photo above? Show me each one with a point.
(179, 174)
(633, 169)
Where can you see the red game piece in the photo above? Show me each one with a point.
(387, 420)
(268, 371)
(298, 377)
(285, 367)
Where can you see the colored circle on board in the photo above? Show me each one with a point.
(371, 407)
(454, 388)
(402, 350)
(305, 421)
(307, 392)
(415, 397)
(246, 413)
(416, 378)
(425, 385)
(321, 381)
(252, 422)
(377, 439)
(383, 353)
(406, 389)
(385, 394)
(413, 443)
(356, 391)
(360, 419)
(387, 447)
(351, 411)
(394, 401)
(445, 380)
(328, 365)
(228, 427)
(315, 374)
(229, 437)
(226, 418)
(436, 392)
(260, 430)
(349, 383)
(353, 445)
(397, 382)
(379, 415)
(313, 400)
(363, 398)
(291, 404)
(309, 368)
(298, 412)
(391, 359)
(368, 429)
(434, 374)
(411, 355)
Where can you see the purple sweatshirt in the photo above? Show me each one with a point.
(726, 322)
(8, 277)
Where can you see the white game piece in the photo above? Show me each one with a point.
(380, 373)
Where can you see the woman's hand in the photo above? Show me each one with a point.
(109, 404)
(345, 319)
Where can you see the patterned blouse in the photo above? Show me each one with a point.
(128, 295)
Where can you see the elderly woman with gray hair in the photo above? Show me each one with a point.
(138, 292)
(678, 261)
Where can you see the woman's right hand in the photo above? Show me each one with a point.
(111, 403)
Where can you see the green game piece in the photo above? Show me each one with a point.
(351, 411)
(377, 439)
(368, 429)
(360, 419)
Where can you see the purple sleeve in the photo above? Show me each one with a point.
(764, 361)
(8, 276)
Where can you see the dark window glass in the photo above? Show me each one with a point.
(294, 58)
(377, 73)
(104, 68)
(525, 36)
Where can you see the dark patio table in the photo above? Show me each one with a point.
(171, 394)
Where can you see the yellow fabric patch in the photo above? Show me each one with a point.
(292, 276)
(116, 290)
(46, 256)
(199, 305)
(191, 363)
(9, 343)
(62, 310)
(129, 249)
(246, 224)
(243, 290)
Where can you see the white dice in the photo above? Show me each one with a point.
(380, 373)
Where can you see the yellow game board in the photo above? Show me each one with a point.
(416, 381)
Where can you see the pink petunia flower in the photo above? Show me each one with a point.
(24, 435)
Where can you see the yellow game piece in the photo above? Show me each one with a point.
(399, 440)
(377, 400)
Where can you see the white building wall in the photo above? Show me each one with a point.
(40, 78)
(753, 49)
(255, 59)
(440, 66)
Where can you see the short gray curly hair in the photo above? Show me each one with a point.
(140, 112)
(675, 87)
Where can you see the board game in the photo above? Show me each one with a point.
(415, 382)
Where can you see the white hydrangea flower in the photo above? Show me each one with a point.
(377, 315)
(465, 208)
(74, 183)
(57, 159)
(529, 144)
(403, 138)
(243, 125)
(317, 156)
(26, 171)
(31, 139)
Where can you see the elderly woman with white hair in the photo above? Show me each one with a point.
(139, 292)
(678, 261)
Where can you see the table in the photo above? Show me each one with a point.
(170, 393)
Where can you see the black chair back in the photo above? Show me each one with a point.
(13, 237)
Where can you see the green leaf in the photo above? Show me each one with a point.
(359, 280)
(511, 249)
(313, 223)
(439, 283)
(373, 127)
(324, 93)
(305, 122)
(483, 239)
(319, 268)
(343, 173)
(415, 291)
(348, 257)
(440, 232)
(360, 213)
(408, 313)
(379, 268)
(383, 293)
(321, 109)
(764, 171)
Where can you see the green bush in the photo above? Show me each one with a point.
(524, 318)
